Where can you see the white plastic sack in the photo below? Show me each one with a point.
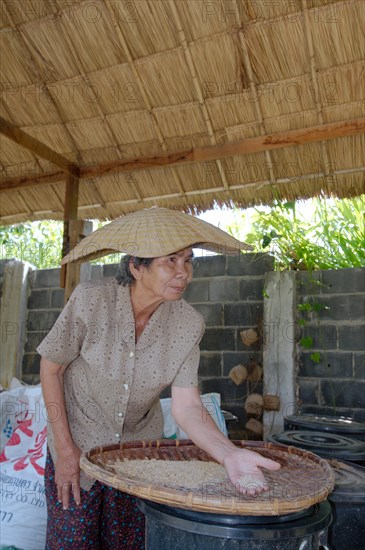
(23, 512)
(212, 403)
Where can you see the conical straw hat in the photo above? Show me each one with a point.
(154, 232)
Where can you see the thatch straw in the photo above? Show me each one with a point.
(104, 81)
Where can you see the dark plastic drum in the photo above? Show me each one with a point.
(170, 528)
(323, 444)
(348, 507)
(333, 424)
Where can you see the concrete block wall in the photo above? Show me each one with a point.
(336, 385)
(228, 291)
(45, 303)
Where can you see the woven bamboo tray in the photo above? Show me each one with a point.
(303, 480)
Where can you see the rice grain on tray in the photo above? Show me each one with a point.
(188, 474)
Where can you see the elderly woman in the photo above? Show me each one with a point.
(115, 347)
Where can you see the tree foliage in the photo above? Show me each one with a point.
(317, 234)
(39, 243)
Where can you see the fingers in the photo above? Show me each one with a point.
(63, 493)
(76, 492)
(267, 463)
(251, 484)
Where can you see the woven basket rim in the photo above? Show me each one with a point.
(92, 464)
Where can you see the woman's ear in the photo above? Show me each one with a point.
(135, 270)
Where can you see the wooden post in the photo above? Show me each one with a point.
(70, 273)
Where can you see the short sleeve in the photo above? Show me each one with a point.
(187, 376)
(63, 343)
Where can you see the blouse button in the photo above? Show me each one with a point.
(120, 416)
(126, 386)
(117, 436)
(131, 354)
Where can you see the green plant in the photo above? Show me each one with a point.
(318, 234)
(38, 243)
(307, 341)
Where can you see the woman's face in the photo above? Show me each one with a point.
(167, 277)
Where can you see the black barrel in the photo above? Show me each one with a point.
(323, 444)
(348, 507)
(178, 529)
(333, 424)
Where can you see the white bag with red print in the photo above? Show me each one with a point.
(23, 512)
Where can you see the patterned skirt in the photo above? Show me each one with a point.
(106, 519)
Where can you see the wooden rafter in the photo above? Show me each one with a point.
(205, 154)
(36, 147)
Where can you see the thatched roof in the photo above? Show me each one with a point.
(143, 100)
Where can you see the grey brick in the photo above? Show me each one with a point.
(41, 320)
(342, 307)
(343, 393)
(249, 264)
(225, 387)
(343, 281)
(324, 336)
(223, 290)
(243, 314)
(33, 341)
(251, 289)
(336, 365)
(210, 364)
(308, 283)
(359, 366)
(110, 270)
(31, 379)
(209, 266)
(308, 390)
(39, 299)
(218, 339)
(46, 278)
(57, 298)
(231, 359)
(352, 337)
(197, 291)
(31, 363)
(212, 313)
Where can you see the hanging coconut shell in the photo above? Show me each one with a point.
(238, 374)
(255, 427)
(271, 402)
(254, 372)
(254, 405)
(249, 337)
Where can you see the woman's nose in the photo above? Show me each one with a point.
(183, 271)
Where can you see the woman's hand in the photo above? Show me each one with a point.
(243, 468)
(67, 476)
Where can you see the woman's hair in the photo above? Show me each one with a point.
(124, 275)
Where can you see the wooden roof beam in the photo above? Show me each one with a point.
(37, 147)
(258, 144)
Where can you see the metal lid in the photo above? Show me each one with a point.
(324, 444)
(349, 482)
(297, 525)
(337, 424)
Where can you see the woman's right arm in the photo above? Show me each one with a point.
(67, 468)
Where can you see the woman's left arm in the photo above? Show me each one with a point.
(243, 466)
